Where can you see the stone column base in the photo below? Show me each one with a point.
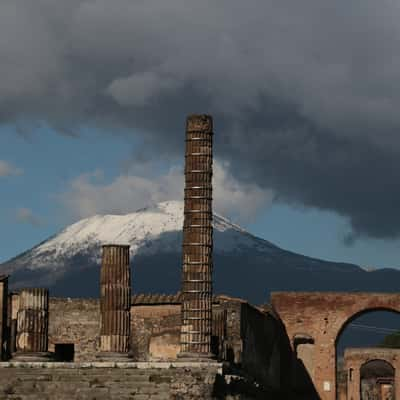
(32, 357)
(113, 356)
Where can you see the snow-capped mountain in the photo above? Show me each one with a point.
(244, 265)
(139, 230)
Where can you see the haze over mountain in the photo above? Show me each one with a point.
(244, 265)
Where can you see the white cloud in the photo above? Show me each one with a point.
(7, 169)
(26, 216)
(238, 200)
(88, 194)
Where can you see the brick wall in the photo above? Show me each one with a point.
(355, 358)
(233, 343)
(250, 338)
(75, 321)
(321, 316)
(155, 331)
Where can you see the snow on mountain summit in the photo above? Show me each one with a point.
(119, 229)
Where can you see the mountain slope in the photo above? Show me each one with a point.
(244, 265)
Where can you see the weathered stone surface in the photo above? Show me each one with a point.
(33, 322)
(115, 300)
(143, 380)
(75, 321)
(153, 325)
(130, 380)
(322, 316)
(197, 239)
(354, 359)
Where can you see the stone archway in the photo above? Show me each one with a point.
(357, 359)
(323, 316)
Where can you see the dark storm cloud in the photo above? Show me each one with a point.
(305, 95)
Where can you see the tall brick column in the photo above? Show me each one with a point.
(33, 325)
(115, 302)
(197, 240)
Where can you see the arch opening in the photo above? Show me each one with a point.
(377, 380)
(367, 333)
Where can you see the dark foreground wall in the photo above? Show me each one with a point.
(264, 354)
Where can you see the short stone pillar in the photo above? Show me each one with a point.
(115, 303)
(33, 325)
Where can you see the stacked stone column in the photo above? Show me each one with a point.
(197, 240)
(115, 302)
(33, 325)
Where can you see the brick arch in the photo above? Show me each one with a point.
(356, 358)
(323, 316)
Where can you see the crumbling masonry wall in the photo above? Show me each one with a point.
(318, 318)
(249, 338)
(252, 340)
(356, 358)
(155, 327)
(75, 321)
(155, 331)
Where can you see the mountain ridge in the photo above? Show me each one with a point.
(244, 264)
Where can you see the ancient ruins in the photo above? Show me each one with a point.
(191, 345)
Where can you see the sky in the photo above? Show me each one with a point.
(304, 96)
